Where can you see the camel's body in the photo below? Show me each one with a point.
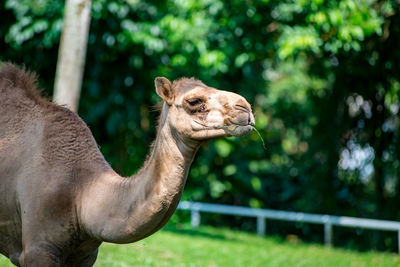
(59, 198)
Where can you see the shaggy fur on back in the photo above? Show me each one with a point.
(65, 137)
(12, 76)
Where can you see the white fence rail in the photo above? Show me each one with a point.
(262, 214)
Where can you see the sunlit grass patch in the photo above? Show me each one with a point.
(209, 246)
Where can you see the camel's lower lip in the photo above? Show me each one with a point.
(241, 130)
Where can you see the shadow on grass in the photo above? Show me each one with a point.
(290, 239)
(199, 232)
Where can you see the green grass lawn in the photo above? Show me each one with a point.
(209, 246)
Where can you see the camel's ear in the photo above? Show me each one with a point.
(164, 89)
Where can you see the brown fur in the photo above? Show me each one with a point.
(187, 83)
(59, 198)
(43, 138)
(72, 144)
(11, 76)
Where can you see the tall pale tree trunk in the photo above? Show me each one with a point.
(72, 53)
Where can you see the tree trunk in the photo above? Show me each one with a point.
(72, 52)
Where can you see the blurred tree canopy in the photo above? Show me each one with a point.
(323, 77)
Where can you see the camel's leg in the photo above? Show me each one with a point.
(14, 258)
(89, 260)
(37, 256)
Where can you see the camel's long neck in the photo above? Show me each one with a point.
(160, 182)
(128, 209)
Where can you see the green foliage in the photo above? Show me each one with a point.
(326, 25)
(34, 18)
(323, 77)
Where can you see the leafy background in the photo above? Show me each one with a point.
(323, 77)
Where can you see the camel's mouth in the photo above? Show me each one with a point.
(232, 129)
(239, 130)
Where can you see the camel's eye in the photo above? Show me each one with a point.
(194, 102)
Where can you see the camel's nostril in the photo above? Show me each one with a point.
(242, 108)
(251, 120)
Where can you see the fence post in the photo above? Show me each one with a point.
(398, 241)
(328, 234)
(194, 218)
(260, 225)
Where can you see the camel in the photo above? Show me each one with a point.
(60, 199)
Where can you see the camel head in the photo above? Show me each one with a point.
(199, 112)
